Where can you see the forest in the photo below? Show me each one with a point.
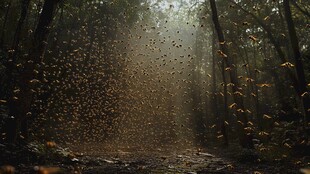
(155, 86)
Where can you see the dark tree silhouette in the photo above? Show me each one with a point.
(244, 137)
(19, 109)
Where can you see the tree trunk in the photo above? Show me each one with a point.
(23, 15)
(282, 26)
(244, 137)
(220, 121)
(225, 115)
(198, 115)
(16, 40)
(4, 22)
(302, 83)
(214, 100)
(20, 105)
(259, 117)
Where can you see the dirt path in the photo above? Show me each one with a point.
(97, 159)
(152, 162)
(187, 161)
(155, 162)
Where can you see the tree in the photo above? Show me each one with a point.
(20, 104)
(244, 137)
(298, 81)
(5, 22)
(302, 83)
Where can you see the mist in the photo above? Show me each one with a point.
(105, 78)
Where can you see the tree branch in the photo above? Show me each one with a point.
(305, 12)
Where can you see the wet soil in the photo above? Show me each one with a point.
(189, 161)
(97, 160)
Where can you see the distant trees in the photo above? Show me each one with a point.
(297, 80)
(243, 47)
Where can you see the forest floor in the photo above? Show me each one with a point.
(185, 161)
(160, 161)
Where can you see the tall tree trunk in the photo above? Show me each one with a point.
(279, 86)
(220, 120)
(20, 105)
(256, 97)
(16, 40)
(213, 84)
(223, 126)
(244, 137)
(302, 83)
(4, 22)
(282, 26)
(18, 31)
(199, 128)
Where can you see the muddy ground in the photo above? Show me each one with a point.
(190, 161)
(96, 160)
